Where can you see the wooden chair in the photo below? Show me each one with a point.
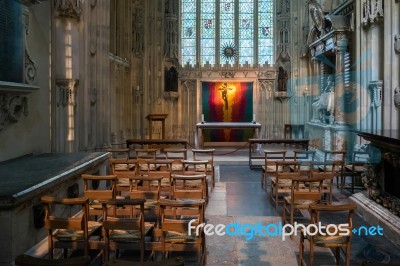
(354, 169)
(174, 227)
(189, 186)
(269, 167)
(146, 153)
(26, 260)
(305, 158)
(329, 238)
(142, 155)
(147, 187)
(196, 167)
(326, 170)
(339, 159)
(176, 155)
(282, 181)
(68, 231)
(304, 191)
(177, 167)
(206, 154)
(96, 187)
(123, 169)
(127, 232)
(122, 153)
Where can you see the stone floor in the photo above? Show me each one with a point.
(238, 197)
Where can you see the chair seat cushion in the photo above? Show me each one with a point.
(272, 169)
(76, 235)
(145, 167)
(129, 235)
(357, 168)
(299, 203)
(177, 167)
(123, 167)
(150, 203)
(329, 241)
(281, 182)
(200, 168)
(178, 237)
(191, 184)
(165, 182)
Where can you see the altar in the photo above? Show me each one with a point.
(198, 134)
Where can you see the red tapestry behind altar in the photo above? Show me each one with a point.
(227, 102)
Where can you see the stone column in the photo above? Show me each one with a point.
(340, 51)
(66, 67)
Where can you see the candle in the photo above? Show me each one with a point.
(202, 117)
(137, 88)
(254, 117)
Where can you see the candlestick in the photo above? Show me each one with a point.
(254, 117)
(202, 117)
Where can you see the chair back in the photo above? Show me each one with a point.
(358, 158)
(120, 166)
(304, 155)
(175, 218)
(63, 226)
(146, 153)
(189, 186)
(103, 191)
(119, 152)
(122, 229)
(175, 153)
(204, 154)
(307, 188)
(335, 156)
(176, 214)
(320, 212)
(145, 186)
(273, 156)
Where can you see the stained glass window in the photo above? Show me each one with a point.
(207, 32)
(188, 32)
(265, 32)
(246, 33)
(227, 31)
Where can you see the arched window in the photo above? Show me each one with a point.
(227, 32)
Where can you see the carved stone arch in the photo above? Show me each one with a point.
(313, 35)
(188, 85)
(266, 85)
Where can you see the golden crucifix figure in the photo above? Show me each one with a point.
(224, 91)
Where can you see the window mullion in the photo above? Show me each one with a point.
(255, 29)
(217, 34)
(236, 36)
(198, 35)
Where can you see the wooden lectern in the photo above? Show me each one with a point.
(156, 117)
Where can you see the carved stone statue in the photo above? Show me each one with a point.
(396, 97)
(171, 79)
(282, 79)
(325, 102)
(317, 15)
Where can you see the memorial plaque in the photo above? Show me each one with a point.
(11, 41)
